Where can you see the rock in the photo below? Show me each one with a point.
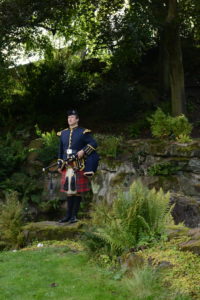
(108, 181)
(194, 233)
(191, 245)
(163, 265)
(193, 242)
(33, 147)
(131, 261)
(3, 245)
(174, 167)
(194, 165)
(186, 209)
(50, 230)
(177, 231)
(178, 168)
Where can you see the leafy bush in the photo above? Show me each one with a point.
(27, 187)
(135, 129)
(12, 155)
(108, 145)
(50, 141)
(165, 126)
(167, 168)
(11, 213)
(183, 138)
(135, 218)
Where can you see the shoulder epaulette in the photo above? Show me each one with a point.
(59, 132)
(86, 131)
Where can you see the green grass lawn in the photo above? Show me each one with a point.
(55, 273)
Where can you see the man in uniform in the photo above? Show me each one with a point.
(77, 161)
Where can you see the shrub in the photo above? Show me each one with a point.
(164, 168)
(135, 129)
(12, 155)
(11, 213)
(165, 126)
(50, 141)
(28, 188)
(134, 219)
(108, 145)
(183, 138)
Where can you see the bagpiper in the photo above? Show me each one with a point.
(77, 162)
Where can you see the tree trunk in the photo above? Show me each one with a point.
(176, 72)
(163, 67)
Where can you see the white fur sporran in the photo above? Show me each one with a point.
(70, 182)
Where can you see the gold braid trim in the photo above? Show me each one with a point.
(88, 149)
(87, 131)
(70, 138)
(60, 132)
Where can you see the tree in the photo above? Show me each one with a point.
(174, 51)
(118, 27)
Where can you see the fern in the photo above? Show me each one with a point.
(50, 142)
(11, 213)
(141, 215)
(165, 126)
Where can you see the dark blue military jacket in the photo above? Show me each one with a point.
(78, 139)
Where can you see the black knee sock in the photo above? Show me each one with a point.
(70, 204)
(76, 206)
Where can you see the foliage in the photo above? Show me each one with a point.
(182, 275)
(146, 283)
(165, 126)
(72, 245)
(26, 186)
(50, 204)
(114, 34)
(183, 138)
(108, 145)
(135, 218)
(13, 172)
(165, 168)
(12, 154)
(11, 214)
(79, 281)
(181, 126)
(50, 142)
(135, 129)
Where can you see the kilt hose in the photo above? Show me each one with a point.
(82, 182)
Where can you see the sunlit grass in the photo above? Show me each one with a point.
(66, 273)
(55, 273)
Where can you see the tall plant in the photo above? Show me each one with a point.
(50, 143)
(135, 218)
(165, 126)
(11, 221)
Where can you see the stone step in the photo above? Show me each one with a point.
(50, 230)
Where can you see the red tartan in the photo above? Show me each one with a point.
(82, 182)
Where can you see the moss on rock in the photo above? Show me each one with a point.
(191, 245)
(177, 231)
(183, 273)
(41, 231)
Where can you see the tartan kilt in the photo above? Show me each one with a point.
(82, 182)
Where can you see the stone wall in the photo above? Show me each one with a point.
(174, 167)
(168, 165)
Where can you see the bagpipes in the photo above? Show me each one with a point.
(72, 165)
(73, 161)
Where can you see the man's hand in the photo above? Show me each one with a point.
(59, 170)
(80, 154)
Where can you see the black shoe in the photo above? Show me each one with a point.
(64, 220)
(73, 220)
